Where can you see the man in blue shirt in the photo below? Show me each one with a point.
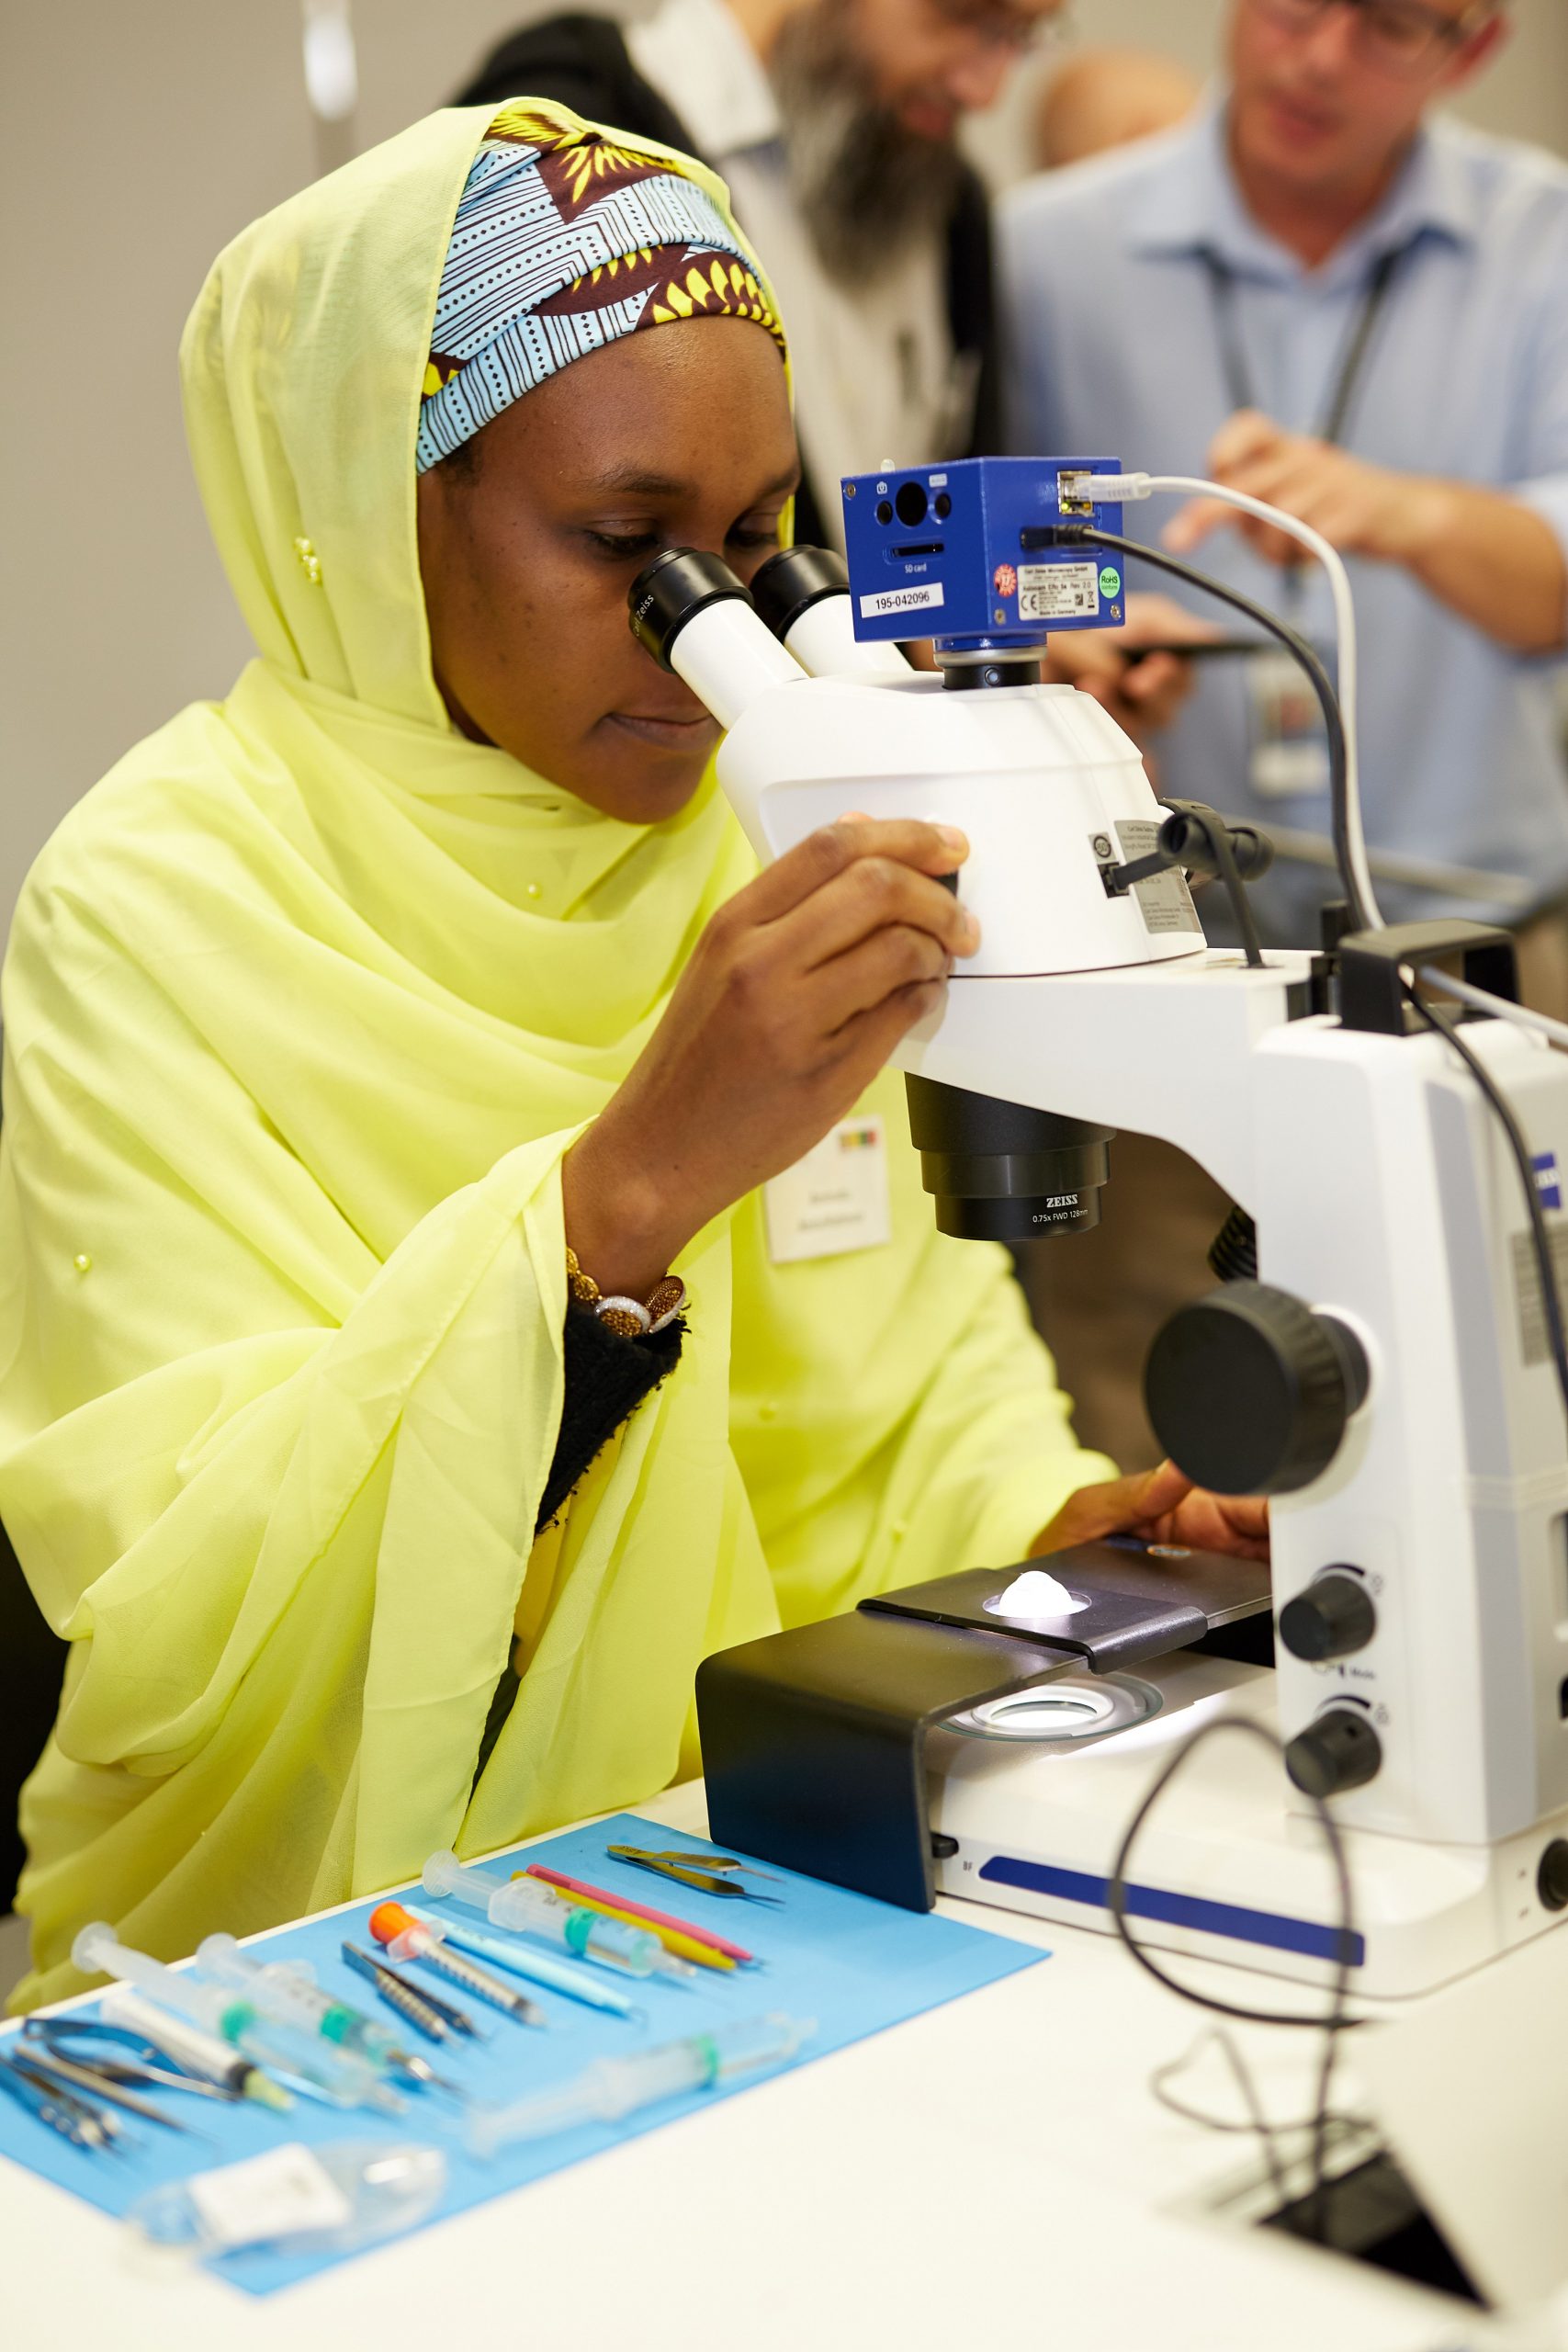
(1320, 295)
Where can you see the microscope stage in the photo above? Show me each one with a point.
(1230, 1865)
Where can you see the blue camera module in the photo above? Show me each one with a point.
(965, 552)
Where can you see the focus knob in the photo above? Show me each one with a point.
(1249, 1390)
(1333, 1618)
(1339, 1751)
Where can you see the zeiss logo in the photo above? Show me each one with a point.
(1548, 1183)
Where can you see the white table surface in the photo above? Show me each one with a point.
(996, 2171)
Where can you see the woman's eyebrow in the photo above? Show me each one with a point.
(631, 480)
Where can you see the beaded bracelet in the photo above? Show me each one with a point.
(634, 1319)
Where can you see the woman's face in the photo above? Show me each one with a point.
(678, 438)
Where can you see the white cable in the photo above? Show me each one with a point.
(1483, 1000)
(1125, 489)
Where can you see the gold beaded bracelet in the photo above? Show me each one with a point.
(634, 1319)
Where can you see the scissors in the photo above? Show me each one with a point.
(143, 2063)
(46, 2049)
(706, 1873)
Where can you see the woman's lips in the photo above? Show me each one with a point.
(666, 734)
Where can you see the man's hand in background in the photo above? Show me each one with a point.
(1143, 693)
(1359, 508)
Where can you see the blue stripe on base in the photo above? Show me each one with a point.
(1232, 1919)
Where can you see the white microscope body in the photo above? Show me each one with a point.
(1385, 1197)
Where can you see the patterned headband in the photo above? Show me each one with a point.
(563, 242)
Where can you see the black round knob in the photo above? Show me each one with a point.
(1249, 1390)
(1332, 1618)
(1552, 1877)
(1339, 1751)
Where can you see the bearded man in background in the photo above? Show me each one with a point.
(835, 124)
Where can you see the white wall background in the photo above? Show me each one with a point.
(134, 141)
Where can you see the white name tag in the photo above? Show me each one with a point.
(1289, 749)
(918, 599)
(834, 1200)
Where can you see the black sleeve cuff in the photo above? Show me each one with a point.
(607, 1376)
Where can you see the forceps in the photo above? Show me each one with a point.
(706, 1873)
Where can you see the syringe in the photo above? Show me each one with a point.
(529, 1909)
(407, 1938)
(200, 2053)
(617, 2086)
(342, 2077)
(292, 1996)
(520, 1959)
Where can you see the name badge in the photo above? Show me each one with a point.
(1289, 749)
(834, 1200)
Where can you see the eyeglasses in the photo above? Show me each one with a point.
(1396, 35)
(1001, 24)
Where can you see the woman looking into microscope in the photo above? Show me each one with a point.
(369, 1031)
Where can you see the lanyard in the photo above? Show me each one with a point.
(1347, 382)
(1352, 365)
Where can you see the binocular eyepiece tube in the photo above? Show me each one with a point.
(695, 617)
(801, 596)
(999, 1171)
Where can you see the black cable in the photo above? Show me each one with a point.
(1216, 833)
(1332, 2021)
(1546, 1264)
(1086, 534)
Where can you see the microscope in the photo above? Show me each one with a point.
(1377, 1358)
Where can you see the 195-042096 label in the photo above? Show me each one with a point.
(921, 596)
(1058, 592)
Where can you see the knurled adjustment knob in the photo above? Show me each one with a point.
(1333, 1617)
(1249, 1390)
(1338, 1751)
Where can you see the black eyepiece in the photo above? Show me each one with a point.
(790, 583)
(1000, 1173)
(670, 591)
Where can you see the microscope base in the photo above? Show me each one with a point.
(1223, 1869)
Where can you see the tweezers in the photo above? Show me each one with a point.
(101, 2084)
(700, 1870)
(64, 2110)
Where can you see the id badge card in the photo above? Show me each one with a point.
(834, 1200)
(1288, 746)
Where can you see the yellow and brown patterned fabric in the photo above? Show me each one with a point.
(565, 239)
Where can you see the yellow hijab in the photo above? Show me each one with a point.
(303, 1006)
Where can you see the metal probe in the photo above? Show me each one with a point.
(407, 1938)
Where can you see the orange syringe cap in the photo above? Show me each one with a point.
(388, 1921)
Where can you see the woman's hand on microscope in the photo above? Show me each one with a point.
(793, 997)
(1160, 1507)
